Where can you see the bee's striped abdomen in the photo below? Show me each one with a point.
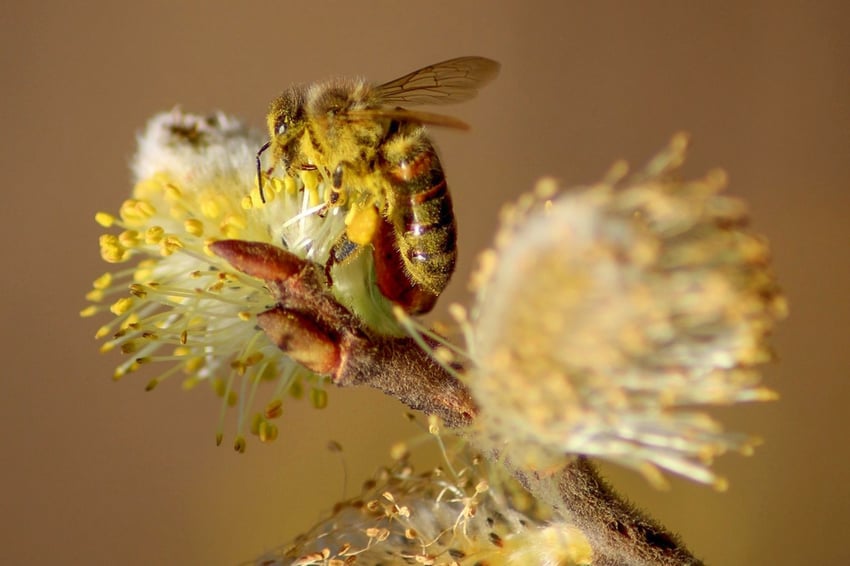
(421, 212)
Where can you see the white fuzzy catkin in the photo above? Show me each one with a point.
(179, 306)
(607, 316)
(437, 518)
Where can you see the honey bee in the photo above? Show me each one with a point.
(378, 161)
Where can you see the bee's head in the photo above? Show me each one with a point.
(286, 119)
(285, 122)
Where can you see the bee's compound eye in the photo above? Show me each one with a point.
(281, 128)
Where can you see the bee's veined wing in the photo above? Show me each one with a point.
(448, 82)
(404, 115)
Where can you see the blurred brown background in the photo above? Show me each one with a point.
(98, 472)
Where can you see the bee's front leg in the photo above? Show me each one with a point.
(336, 183)
(341, 252)
(337, 194)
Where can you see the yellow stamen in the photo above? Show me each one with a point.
(103, 281)
(94, 296)
(129, 238)
(319, 398)
(210, 208)
(154, 234)
(89, 311)
(104, 219)
(169, 245)
(194, 226)
(274, 409)
(121, 306)
(111, 249)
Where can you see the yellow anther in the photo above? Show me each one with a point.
(154, 234)
(267, 431)
(256, 421)
(128, 210)
(94, 296)
(269, 372)
(254, 359)
(373, 506)
(434, 425)
(296, 389)
(239, 221)
(111, 249)
(144, 271)
(138, 291)
(121, 306)
(151, 186)
(103, 281)
(104, 219)
(129, 238)
(178, 212)
(232, 226)
(194, 227)
(169, 245)
(229, 232)
(190, 382)
(129, 347)
(89, 311)
(136, 211)
(182, 351)
(146, 208)
(210, 207)
(172, 191)
(399, 450)
(274, 409)
(318, 398)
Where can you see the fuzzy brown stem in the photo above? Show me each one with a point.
(619, 533)
(401, 369)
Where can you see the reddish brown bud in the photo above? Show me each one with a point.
(263, 261)
(302, 339)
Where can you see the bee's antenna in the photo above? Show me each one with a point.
(260, 171)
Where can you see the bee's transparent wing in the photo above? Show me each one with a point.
(448, 82)
(404, 115)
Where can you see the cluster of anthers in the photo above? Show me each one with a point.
(187, 307)
(607, 317)
(466, 513)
